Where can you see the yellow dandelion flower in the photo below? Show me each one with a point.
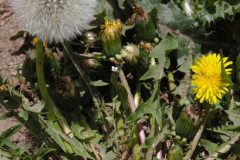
(207, 81)
(35, 42)
(111, 29)
(111, 37)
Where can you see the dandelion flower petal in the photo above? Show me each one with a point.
(207, 81)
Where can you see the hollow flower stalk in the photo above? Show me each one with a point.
(208, 79)
(55, 20)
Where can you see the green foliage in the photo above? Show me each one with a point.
(104, 111)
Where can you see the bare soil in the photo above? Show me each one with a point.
(10, 62)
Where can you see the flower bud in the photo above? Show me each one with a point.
(29, 66)
(144, 26)
(130, 53)
(65, 94)
(175, 153)
(111, 37)
(189, 121)
(90, 64)
(90, 38)
(35, 42)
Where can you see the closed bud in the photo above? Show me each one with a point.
(144, 26)
(111, 37)
(65, 94)
(119, 57)
(90, 64)
(36, 41)
(175, 153)
(90, 38)
(189, 121)
(29, 66)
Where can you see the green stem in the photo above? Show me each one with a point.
(137, 95)
(170, 113)
(198, 135)
(50, 105)
(171, 83)
(132, 105)
(126, 86)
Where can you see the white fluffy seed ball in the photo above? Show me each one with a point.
(55, 20)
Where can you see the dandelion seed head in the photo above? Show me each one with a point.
(55, 20)
(131, 53)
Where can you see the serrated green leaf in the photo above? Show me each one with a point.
(19, 34)
(227, 130)
(58, 137)
(54, 134)
(81, 132)
(78, 147)
(144, 108)
(186, 66)
(168, 44)
(154, 71)
(234, 116)
(42, 152)
(121, 91)
(183, 87)
(7, 143)
(37, 108)
(172, 18)
(6, 115)
(214, 10)
(23, 149)
(151, 106)
(160, 52)
(23, 114)
(10, 131)
(210, 146)
(99, 83)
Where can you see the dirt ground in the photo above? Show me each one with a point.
(10, 62)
